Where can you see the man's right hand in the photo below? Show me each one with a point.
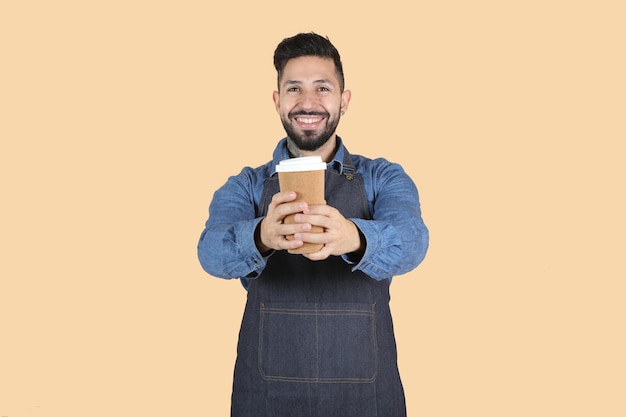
(272, 231)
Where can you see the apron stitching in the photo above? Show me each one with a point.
(317, 346)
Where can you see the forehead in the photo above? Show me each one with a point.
(309, 69)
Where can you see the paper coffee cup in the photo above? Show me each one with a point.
(304, 176)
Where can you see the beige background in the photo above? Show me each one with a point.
(119, 119)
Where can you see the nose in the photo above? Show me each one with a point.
(308, 100)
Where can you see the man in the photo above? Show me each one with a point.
(317, 336)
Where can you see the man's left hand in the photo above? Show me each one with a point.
(340, 235)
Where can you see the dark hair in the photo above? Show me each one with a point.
(307, 44)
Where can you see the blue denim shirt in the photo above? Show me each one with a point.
(396, 237)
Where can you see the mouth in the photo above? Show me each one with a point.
(308, 122)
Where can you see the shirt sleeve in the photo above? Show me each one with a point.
(396, 238)
(226, 248)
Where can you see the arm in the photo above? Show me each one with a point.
(396, 238)
(392, 243)
(226, 248)
(235, 243)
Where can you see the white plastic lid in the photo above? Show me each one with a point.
(303, 163)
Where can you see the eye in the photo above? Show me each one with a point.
(293, 89)
(323, 89)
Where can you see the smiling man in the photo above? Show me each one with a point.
(310, 107)
(317, 335)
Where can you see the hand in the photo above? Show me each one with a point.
(340, 235)
(272, 231)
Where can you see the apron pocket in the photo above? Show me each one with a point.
(318, 342)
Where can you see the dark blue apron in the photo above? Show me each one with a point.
(317, 339)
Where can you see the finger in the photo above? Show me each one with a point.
(282, 210)
(294, 207)
(287, 229)
(321, 209)
(314, 219)
(319, 255)
(312, 237)
(287, 244)
(283, 197)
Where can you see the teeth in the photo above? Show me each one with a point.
(302, 120)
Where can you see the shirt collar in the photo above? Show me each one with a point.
(281, 152)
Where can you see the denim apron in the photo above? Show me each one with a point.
(317, 339)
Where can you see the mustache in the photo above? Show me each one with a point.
(309, 113)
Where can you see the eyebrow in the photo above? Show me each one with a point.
(320, 81)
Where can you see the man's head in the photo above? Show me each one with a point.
(311, 97)
(307, 44)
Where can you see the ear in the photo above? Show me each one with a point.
(345, 100)
(276, 98)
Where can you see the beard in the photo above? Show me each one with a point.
(310, 140)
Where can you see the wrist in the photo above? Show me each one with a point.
(262, 248)
(359, 246)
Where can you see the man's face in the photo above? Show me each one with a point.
(310, 102)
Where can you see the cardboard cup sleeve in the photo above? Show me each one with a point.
(304, 176)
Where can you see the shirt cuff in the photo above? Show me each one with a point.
(370, 234)
(254, 259)
(373, 245)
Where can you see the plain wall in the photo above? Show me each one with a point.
(119, 120)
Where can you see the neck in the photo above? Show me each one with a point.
(326, 151)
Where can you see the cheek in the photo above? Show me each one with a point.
(285, 105)
(333, 105)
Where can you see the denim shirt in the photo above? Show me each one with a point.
(396, 237)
